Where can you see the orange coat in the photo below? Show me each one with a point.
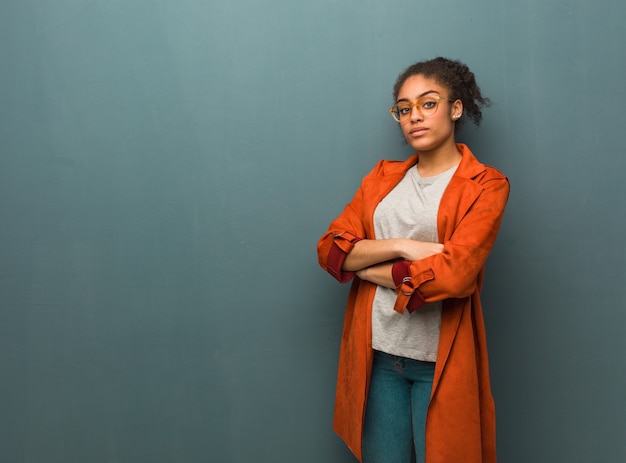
(461, 417)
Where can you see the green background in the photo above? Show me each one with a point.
(166, 168)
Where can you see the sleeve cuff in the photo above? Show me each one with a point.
(409, 298)
(400, 270)
(337, 256)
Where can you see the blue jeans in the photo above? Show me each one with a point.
(397, 404)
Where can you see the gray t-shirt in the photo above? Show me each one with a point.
(408, 211)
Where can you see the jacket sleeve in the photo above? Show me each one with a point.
(343, 233)
(454, 273)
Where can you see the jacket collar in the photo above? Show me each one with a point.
(469, 167)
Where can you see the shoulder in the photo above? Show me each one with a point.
(387, 167)
(492, 174)
(474, 170)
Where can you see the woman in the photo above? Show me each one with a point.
(413, 370)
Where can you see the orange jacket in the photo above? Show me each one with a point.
(461, 417)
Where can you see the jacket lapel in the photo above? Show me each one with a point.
(458, 198)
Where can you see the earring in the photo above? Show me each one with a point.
(455, 117)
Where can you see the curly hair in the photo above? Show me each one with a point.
(456, 77)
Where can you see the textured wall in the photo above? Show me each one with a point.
(166, 168)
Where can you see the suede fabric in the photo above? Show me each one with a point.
(461, 417)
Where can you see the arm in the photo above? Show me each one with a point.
(345, 248)
(366, 253)
(454, 273)
(373, 259)
(380, 274)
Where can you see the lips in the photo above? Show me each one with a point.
(418, 131)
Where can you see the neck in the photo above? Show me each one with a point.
(433, 163)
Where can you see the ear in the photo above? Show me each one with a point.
(456, 110)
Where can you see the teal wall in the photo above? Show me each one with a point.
(166, 168)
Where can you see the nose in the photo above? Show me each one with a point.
(416, 114)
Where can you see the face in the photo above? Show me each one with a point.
(432, 132)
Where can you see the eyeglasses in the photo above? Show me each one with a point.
(426, 105)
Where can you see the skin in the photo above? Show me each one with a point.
(433, 138)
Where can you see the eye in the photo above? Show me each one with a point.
(404, 109)
(429, 104)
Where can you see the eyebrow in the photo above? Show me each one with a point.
(419, 96)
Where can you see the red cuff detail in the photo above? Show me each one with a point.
(400, 270)
(401, 273)
(336, 258)
(416, 302)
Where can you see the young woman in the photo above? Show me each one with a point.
(413, 372)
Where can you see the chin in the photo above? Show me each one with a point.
(422, 147)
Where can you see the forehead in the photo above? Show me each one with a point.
(418, 85)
